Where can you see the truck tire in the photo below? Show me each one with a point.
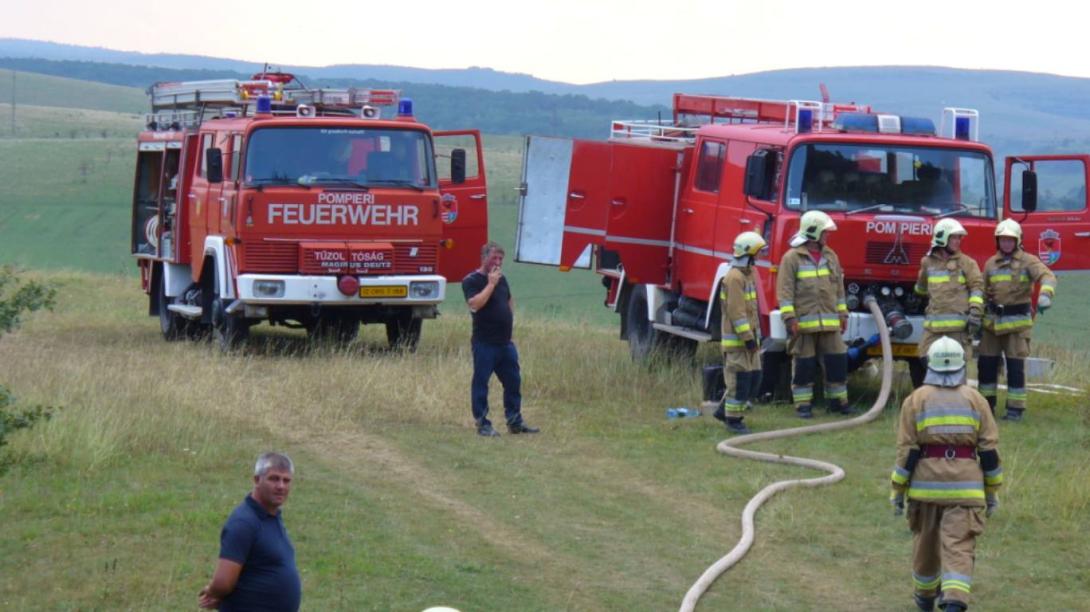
(230, 331)
(171, 324)
(403, 332)
(644, 341)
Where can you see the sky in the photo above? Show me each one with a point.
(579, 41)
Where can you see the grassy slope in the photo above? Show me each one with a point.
(42, 90)
(117, 502)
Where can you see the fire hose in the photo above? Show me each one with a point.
(836, 473)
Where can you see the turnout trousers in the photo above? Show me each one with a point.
(944, 549)
(1015, 347)
(807, 349)
(742, 376)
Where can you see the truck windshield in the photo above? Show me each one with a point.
(853, 177)
(340, 156)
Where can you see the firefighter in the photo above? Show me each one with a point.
(955, 288)
(948, 467)
(1009, 278)
(810, 291)
(741, 333)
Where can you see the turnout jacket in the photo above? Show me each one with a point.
(958, 421)
(738, 304)
(955, 287)
(812, 292)
(1009, 282)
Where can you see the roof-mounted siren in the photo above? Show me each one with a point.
(889, 124)
(264, 105)
(370, 112)
(961, 123)
(304, 110)
(808, 113)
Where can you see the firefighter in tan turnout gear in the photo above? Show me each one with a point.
(1009, 278)
(948, 468)
(810, 292)
(741, 333)
(952, 282)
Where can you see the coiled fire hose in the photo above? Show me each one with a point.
(836, 473)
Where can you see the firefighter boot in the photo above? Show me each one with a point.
(720, 414)
(923, 602)
(804, 411)
(1014, 415)
(736, 425)
(987, 367)
(953, 606)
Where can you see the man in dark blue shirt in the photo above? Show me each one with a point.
(489, 299)
(256, 568)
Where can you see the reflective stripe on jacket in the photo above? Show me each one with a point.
(738, 304)
(1009, 281)
(812, 292)
(941, 416)
(954, 287)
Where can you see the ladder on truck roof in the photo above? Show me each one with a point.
(692, 111)
(184, 104)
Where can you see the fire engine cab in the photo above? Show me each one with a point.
(658, 205)
(265, 200)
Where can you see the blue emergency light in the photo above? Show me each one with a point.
(856, 122)
(961, 128)
(917, 126)
(405, 107)
(264, 104)
(806, 121)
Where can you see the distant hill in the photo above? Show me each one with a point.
(47, 90)
(1021, 112)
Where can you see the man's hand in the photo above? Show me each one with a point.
(843, 323)
(793, 327)
(972, 326)
(751, 345)
(897, 500)
(206, 601)
(992, 503)
(494, 276)
(1043, 303)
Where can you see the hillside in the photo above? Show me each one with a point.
(35, 89)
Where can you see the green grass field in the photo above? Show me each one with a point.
(117, 502)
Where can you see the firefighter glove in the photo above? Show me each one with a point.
(843, 323)
(897, 500)
(751, 345)
(972, 326)
(1043, 302)
(992, 502)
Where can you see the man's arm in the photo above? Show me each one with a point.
(223, 584)
(478, 301)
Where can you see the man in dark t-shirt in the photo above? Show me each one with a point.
(256, 568)
(489, 298)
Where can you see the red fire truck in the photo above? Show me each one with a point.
(658, 205)
(265, 200)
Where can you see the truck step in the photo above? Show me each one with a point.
(187, 311)
(684, 332)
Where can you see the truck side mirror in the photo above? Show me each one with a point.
(1029, 191)
(458, 166)
(214, 165)
(757, 175)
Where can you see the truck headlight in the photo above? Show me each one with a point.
(269, 288)
(424, 289)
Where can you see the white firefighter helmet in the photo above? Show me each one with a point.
(946, 355)
(1009, 228)
(748, 244)
(940, 235)
(814, 223)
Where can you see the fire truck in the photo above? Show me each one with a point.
(265, 200)
(656, 207)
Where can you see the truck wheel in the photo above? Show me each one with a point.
(171, 324)
(643, 339)
(403, 332)
(335, 329)
(230, 331)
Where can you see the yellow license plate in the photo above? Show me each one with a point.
(899, 350)
(384, 291)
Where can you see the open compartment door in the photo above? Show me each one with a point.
(1058, 229)
(562, 207)
(643, 188)
(463, 205)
